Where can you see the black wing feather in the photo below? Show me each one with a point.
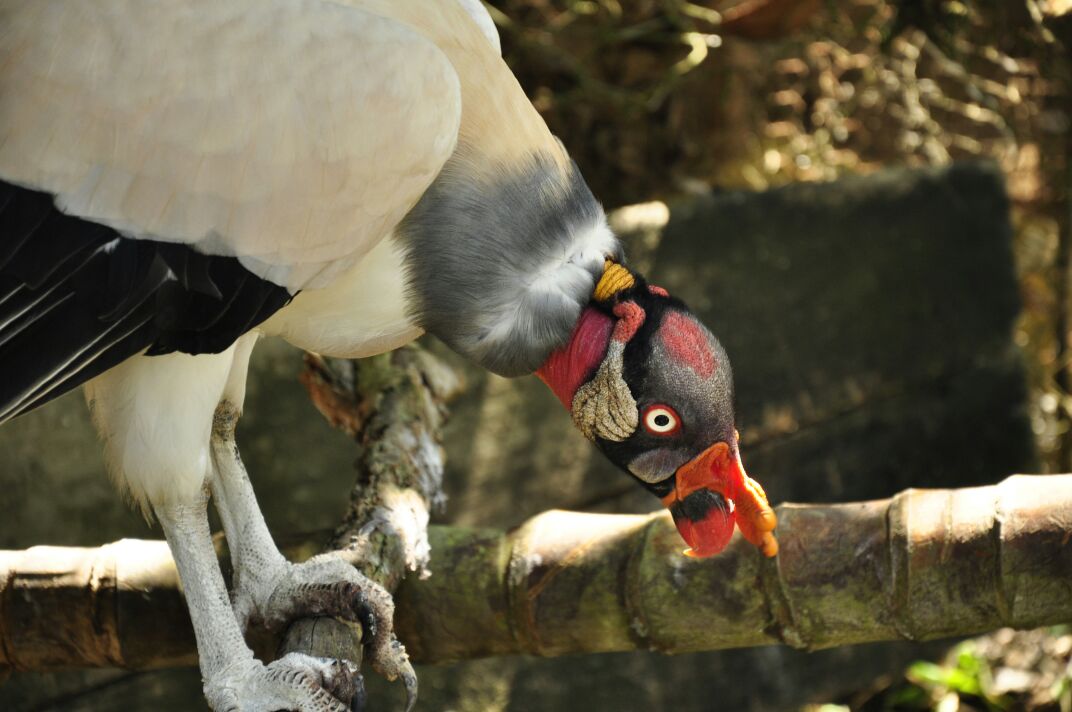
(22, 215)
(77, 298)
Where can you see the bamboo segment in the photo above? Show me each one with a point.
(924, 564)
(117, 605)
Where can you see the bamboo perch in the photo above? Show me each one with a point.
(924, 564)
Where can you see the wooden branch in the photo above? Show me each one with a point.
(924, 564)
(394, 406)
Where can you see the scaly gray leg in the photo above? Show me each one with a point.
(234, 680)
(275, 591)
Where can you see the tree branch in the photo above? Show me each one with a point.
(393, 405)
(924, 564)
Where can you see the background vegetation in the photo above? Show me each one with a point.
(658, 98)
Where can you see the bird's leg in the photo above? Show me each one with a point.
(234, 680)
(269, 588)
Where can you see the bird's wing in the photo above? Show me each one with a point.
(171, 173)
(77, 298)
(289, 134)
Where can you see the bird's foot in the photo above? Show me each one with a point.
(295, 682)
(755, 518)
(328, 586)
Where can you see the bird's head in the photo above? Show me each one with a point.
(653, 389)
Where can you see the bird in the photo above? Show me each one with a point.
(180, 180)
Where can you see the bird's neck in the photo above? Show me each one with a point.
(500, 262)
(570, 366)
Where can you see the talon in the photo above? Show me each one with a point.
(390, 660)
(328, 586)
(409, 679)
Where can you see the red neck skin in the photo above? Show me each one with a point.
(567, 368)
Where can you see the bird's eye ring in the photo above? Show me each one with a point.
(661, 420)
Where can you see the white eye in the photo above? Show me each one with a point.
(661, 420)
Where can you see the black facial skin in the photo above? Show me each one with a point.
(704, 405)
(659, 489)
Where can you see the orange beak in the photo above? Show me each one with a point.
(712, 493)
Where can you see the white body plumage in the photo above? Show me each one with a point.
(176, 137)
(179, 179)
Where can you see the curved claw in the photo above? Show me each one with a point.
(409, 679)
(388, 658)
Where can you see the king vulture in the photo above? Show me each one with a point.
(180, 179)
